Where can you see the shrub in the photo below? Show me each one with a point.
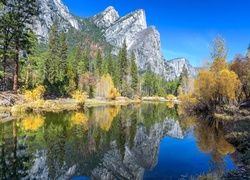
(35, 94)
(170, 97)
(80, 97)
(137, 97)
(113, 93)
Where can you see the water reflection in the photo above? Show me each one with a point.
(211, 140)
(99, 143)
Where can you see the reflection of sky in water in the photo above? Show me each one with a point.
(83, 139)
(80, 178)
(181, 159)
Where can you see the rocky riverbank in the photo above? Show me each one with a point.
(237, 132)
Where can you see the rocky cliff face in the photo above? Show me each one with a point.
(49, 10)
(106, 18)
(143, 40)
(178, 64)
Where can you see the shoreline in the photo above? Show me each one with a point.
(66, 104)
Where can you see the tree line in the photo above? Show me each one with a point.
(26, 65)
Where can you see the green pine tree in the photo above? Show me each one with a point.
(134, 73)
(123, 68)
(104, 67)
(91, 91)
(30, 65)
(87, 59)
(79, 61)
(148, 82)
(98, 64)
(20, 14)
(6, 45)
(115, 76)
(52, 61)
(110, 66)
(63, 61)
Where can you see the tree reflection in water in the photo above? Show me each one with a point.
(211, 139)
(109, 142)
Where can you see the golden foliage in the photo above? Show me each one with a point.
(105, 88)
(80, 119)
(228, 84)
(79, 96)
(113, 93)
(35, 94)
(171, 97)
(241, 67)
(205, 85)
(210, 86)
(189, 98)
(33, 122)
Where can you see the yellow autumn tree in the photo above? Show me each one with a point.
(241, 66)
(228, 84)
(170, 97)
(219, 54)
(205, 86)
(35, 94)
(216, 86)
(79, 96)
(105, 88)
(113, 93)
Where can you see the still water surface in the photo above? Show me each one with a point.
(148, 141)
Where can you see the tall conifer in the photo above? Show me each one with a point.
(134, 73)
(63, 61)
(99, 60)
(20, 14)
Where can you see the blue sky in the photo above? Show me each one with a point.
(187, 27)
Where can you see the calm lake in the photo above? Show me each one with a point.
(148, 141)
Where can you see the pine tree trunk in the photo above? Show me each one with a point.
(4, 73)
(16, 69)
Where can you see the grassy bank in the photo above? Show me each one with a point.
(60, 104)
(70, 104)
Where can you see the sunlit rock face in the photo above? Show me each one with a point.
(48, 11)
(126, 28)
(147, 48)
(106, 18)
(143, 40)
(178, 64)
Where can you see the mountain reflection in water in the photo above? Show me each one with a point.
(145, 141)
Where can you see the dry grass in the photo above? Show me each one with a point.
(65, 105)
(224, 117)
